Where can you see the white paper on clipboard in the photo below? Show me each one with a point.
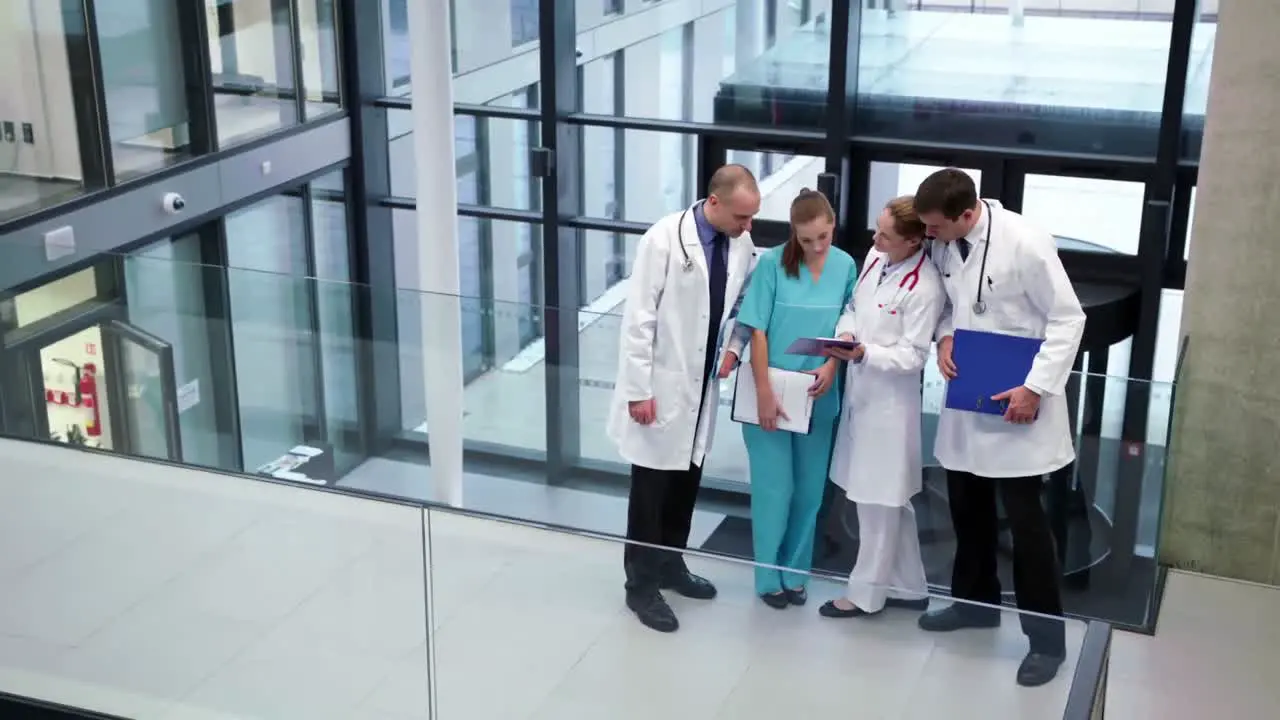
(790, 388)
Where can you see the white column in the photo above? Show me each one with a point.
(1018, 12)
(748, 17)
(437, 217)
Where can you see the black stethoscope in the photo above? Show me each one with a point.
(905, 285)
(980, 305)
(687, 265)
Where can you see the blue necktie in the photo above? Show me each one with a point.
(963, 245)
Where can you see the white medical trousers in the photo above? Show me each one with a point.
(889, 562)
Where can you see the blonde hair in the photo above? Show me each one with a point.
(808, 206)
(906, 222)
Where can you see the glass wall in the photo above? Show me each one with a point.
(45, 112)
(318, 38)
(169, 289)
(275, 354)
(1074, 76)
(274, 64)
(148, 110)
(102, 93)
(251, 53)
(336, 301)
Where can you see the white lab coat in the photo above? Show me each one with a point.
(662, 345)
(877, 450)
(1027, 293)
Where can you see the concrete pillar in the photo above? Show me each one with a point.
(1222, 513)
(438, 254)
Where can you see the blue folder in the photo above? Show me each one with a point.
(987, 364)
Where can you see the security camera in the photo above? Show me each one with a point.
(173, 203)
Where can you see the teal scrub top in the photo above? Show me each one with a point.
(788, 308)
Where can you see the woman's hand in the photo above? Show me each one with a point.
(844, 354)
(768, 410)
(823, 378)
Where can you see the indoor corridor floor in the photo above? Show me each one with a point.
(150, 591)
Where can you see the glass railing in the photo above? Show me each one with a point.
(249, 371)
(144, 590)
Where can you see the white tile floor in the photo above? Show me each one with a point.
(155, 592)
(1215, 654)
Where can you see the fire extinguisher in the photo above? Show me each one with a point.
(88, 391)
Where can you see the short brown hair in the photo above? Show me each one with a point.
(808, 206)
(948, 191)
(906, 221)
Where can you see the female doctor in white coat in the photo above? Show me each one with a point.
(893, 313)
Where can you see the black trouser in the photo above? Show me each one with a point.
(660, 512)
(1036, 573)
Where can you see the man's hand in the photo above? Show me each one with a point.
(823, 378)
(946, 365)
(1023, 405)
(727, 365)
(643, 411)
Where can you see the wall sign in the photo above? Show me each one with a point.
(188, 395)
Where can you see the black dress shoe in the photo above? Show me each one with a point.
(918, 605)
(953, 618)
(776, 600)
(831, 610)
(797, 597)
(653, 611)
(1038, 669)
(689, 585)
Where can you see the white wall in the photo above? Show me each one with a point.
(35, 87)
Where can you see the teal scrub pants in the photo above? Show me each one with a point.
(788, 475)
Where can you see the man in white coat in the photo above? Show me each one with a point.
(1002, 274)
(687, 279)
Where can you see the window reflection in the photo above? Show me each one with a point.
(1008, 73)
(1086, 214)
(250, 49)
(144, 84)
(318, 30)
(46, 131)
(1200, 68)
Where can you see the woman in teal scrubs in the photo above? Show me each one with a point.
(796, 291)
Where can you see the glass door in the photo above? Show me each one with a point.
(83, 378)
(145, 385)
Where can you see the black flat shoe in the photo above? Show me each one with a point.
(918, 605)
(776, 600)
(829, 609)
(1038, 669)
(797, 597)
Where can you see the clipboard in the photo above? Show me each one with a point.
(988, 364)
(816, 346)
(790, 387)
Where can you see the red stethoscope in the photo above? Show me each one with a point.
(905, 285)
